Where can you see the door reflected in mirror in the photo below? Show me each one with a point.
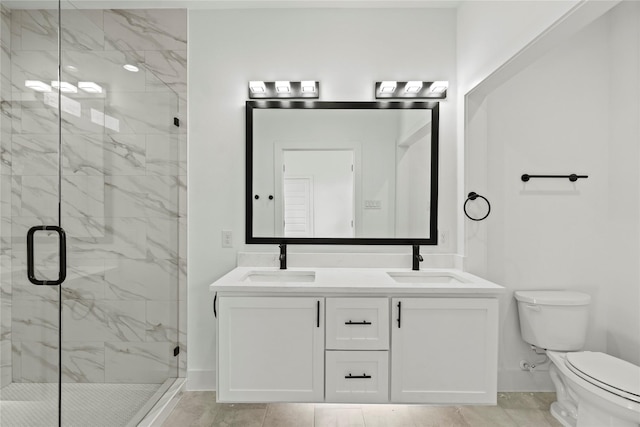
(318, 193)
(342, 172)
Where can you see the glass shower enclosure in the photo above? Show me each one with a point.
(92, 182)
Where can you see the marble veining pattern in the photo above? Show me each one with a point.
(123, 195)
(146, 29)
(166, 70)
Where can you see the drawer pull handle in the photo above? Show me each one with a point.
(364, 322)
(353, 377)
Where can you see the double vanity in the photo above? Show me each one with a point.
(356, 335)
(350, 173)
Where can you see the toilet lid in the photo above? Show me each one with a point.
(607, 372)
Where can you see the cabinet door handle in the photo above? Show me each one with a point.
(318, 314)
(215, 297)
(364, 322)
(399, 312)
(353, 377)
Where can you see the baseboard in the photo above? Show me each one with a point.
(201, 380)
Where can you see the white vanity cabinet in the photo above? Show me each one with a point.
(270, 349)
(356, 336)
(444, 350)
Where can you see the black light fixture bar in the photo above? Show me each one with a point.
(411, 90)
(284, 90)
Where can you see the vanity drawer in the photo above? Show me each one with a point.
(357, 376)
(357, 323)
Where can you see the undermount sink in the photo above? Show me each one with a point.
(425, 277)
(280, 276)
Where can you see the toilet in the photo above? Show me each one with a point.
(593, 389)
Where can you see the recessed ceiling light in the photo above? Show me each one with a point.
(388, 87)
(308, 86)
(90, 87)
(439, 87)
(37, 85)
(283, 86)
(257, 87)
(131, 68)
(413, 87)
(65, 87)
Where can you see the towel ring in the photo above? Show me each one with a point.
(473, 196)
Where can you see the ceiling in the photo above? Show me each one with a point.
(229, 4)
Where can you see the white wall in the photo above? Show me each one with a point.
(490, 34)
(622, 288)
(347, 50)
(573, 111)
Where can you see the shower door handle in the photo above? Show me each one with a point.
(62, 240)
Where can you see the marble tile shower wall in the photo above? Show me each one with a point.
(123, 195)
(5, 199)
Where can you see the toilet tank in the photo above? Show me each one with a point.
(553, 320)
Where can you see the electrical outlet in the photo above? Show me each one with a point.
(227, 239)
(373, 204)
(443, 238)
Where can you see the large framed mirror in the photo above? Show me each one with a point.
(342, 172)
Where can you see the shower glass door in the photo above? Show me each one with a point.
(120, 185)
(30, 195)
(94, 150)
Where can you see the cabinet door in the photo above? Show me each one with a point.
(444, 350)
(270, 349)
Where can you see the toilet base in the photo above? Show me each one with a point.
(581, 404)
(592, 415)
(561, 414)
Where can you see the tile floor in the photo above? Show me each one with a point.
(199, 408)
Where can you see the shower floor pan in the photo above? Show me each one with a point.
(96, 405)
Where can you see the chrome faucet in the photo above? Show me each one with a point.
(283, 256)
(417, 258)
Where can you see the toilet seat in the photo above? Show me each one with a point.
(607, 372)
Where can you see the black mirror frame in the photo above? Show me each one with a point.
(433, 226)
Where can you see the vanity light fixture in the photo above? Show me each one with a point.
(439, 87)
(65, 87)
(412, 90)
(308, 86)
(90, 87)
(283, 86)
(283, 89)
(37, 85)
(413, 87)
(388, 87)
(257, 87)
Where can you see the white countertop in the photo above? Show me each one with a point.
(360, 281)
